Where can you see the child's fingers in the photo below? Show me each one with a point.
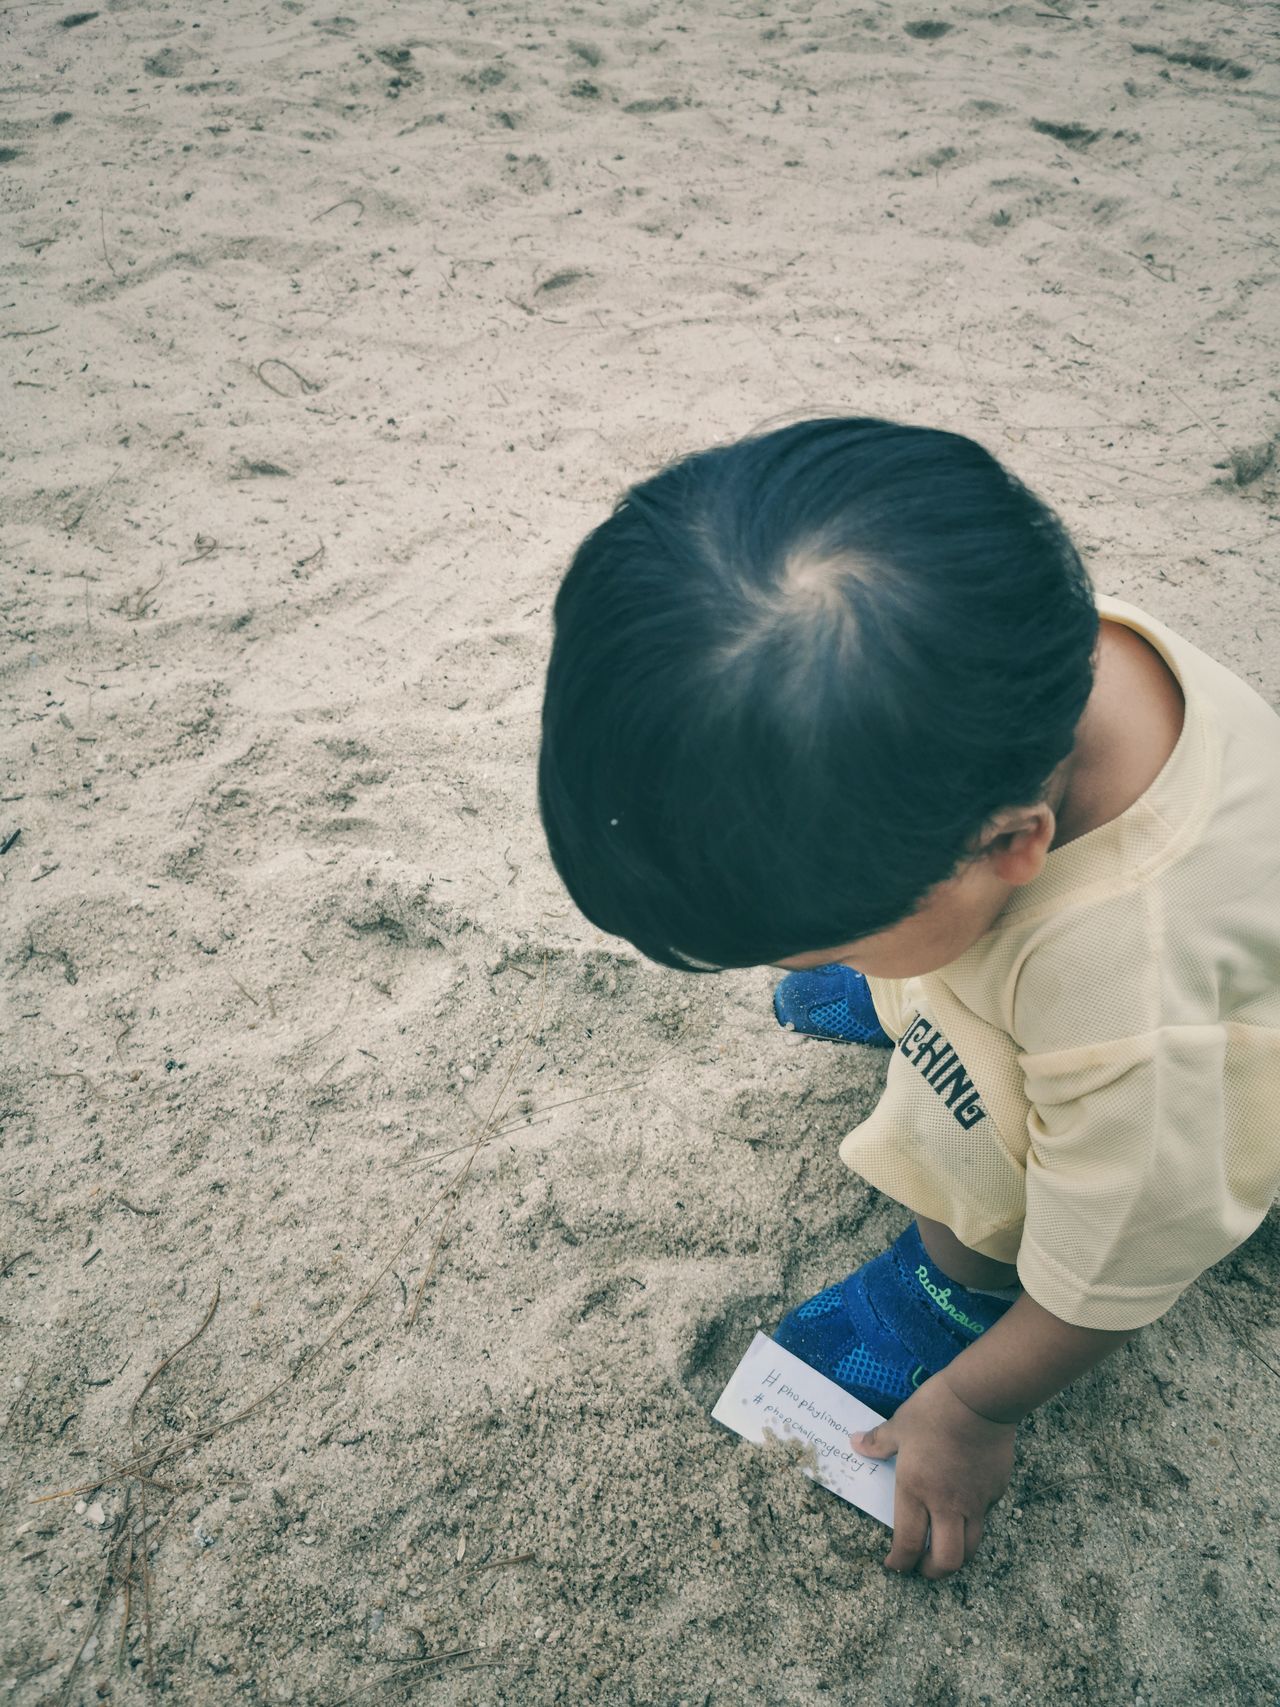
(910, 1532)
(946, 1546)
(878, 1442)
(973, 1528)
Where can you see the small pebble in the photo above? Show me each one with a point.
(81, 1508)
(95, 1514)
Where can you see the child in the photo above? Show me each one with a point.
(841, 694)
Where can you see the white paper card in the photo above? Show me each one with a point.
(772, 1391)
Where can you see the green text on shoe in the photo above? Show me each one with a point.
(941, 1296)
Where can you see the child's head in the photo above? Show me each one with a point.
(794, 681)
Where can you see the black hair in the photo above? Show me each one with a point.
(794, 676)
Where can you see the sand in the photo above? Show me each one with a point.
(326, 338)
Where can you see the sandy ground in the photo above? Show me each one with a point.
(325, 338)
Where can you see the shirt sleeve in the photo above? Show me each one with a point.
(888, 997)
(1150, 1159)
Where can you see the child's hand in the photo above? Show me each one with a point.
(952, 1466)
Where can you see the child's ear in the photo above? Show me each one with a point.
(1016, 842)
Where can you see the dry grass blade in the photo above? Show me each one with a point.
(128, 1599)
(12, 1489)
(1245, 1338)
(407, 1666)
(296, 1057)
(101, 1601)
(535, 1117)
(276, 361)
(160, 1368)
(206, 545)
(347, 201)
(21, 1394)
(498, 1564)
(146, 1590)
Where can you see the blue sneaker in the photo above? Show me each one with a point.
(888, 1326)
(831, 1002)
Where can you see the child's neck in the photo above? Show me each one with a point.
(1129, 728)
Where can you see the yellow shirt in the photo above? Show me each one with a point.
(1093, 1089)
